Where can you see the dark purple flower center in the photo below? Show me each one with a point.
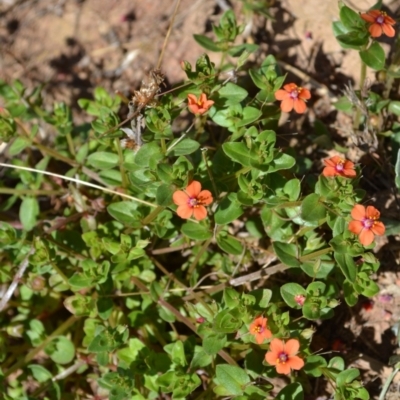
(283, 357)
(380, 20)
(294, 94)
(193, 202)
(368, 223)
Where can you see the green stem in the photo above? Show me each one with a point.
(152, 215)
(363, 74)
(124, 178)
(163, 146)
(35, 192)
(70, 144)
(389, 380)
(32, 354)
(316, 254)
(203, 153)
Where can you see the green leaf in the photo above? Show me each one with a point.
(28, 212)
(124, 211)
(349, 18)
(312, 210)
(228, 210)
(232, 378)
(347, 376)
(229, 244)
(19, 144)
(196, 231)
(287, 253)
(293, 391)
(237, 152)
(206, 42)
(103, 160)
(352, 40)
(394, 107)
(226, 322)
(41, 374)
(61, 350)
(148, 154)
(214, 342)
(79, 281)
(347, 265)
(184, 147)
(314, 365)
(164, 195)
(232, 94)
(374, 56)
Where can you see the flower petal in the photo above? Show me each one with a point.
(305, 94)
(283, 368)
(375, 30)
(281, 94)
(271, 358)
(356, 227)
(388, 30)
(349, 173)
(289, 87)
(205, 197)
(200, 213)
(292, 347)
(194, 108)
(358, 212)
(366, 237)
(295, 362)
(287, 104)
(367, 17)
(378, 228)
(299, 106)
(180, 198)
(192, 99)
(372, 212)
(277, 346)
(260, 338)
(184, 211)
(193, 189)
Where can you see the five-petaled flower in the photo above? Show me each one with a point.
(365, 223)
(380, 23)
(293, 96)
(192, 201)
(338, 166)
(258, 328)
(283, 355)
(199, 106)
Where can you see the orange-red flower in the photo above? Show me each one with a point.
(365, 223)
(258, 328)
(293, 96)
(283, 355)
(338, 166)
(380, 23)
(192, 201)
(199, 106)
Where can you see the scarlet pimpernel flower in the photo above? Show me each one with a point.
(380, 23)
(191, 202)
(283, 356)
(365, 223)
(199, 106)
(338, 166)
(258, 328)
(293, 97)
